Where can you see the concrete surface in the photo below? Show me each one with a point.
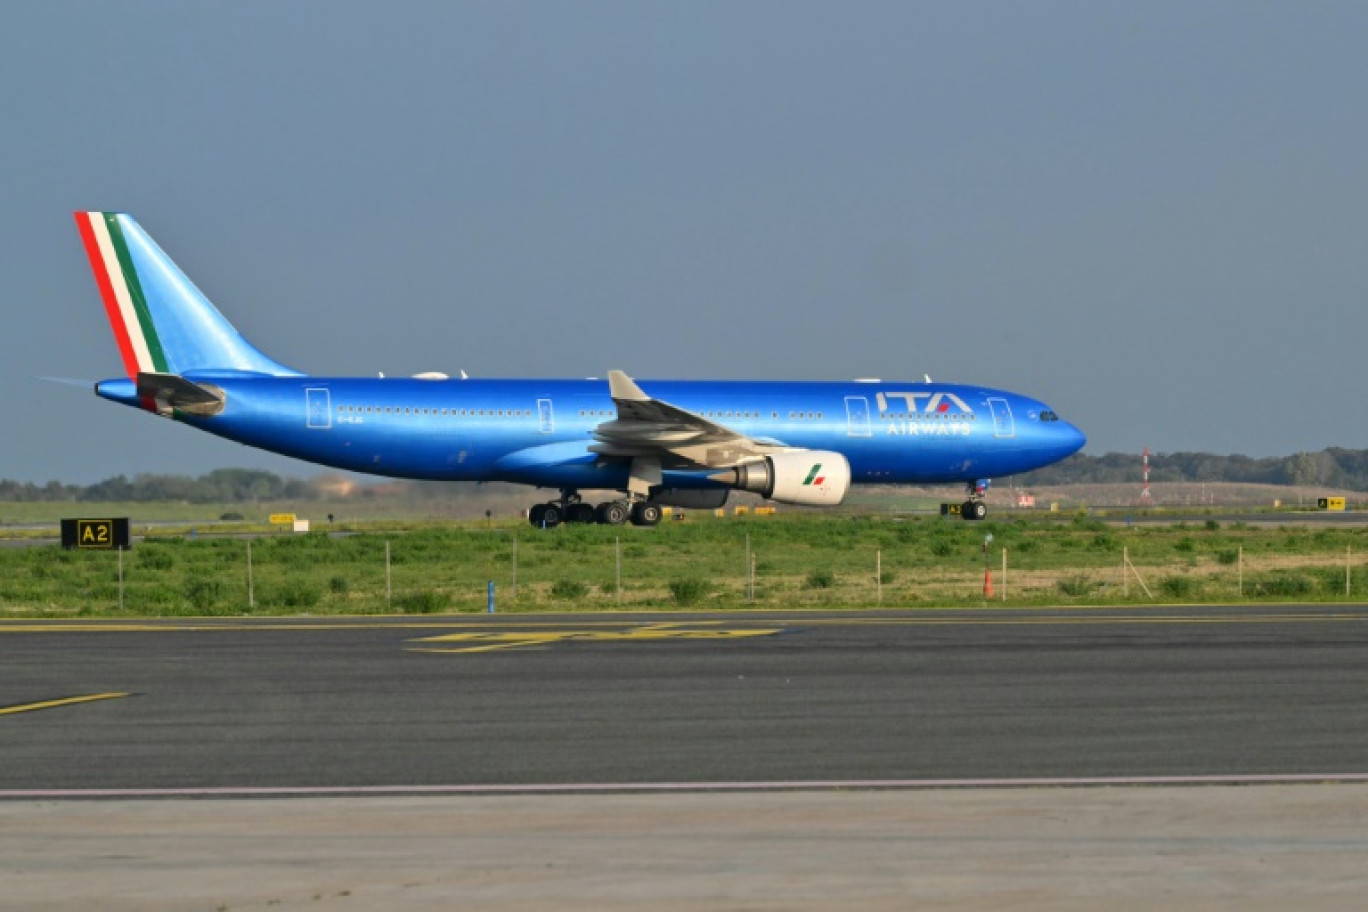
(1193, 848)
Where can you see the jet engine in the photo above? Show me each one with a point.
(811, 477)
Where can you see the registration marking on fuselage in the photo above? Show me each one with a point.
(521, 639)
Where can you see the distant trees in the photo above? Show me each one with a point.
(218, 486)
(27, 491)
(1333, 467)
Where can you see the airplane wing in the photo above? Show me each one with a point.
(648, 427)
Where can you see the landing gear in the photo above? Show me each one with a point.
(580, 513)
(570, 509)
(554, 512)
(974, 509)
(546, 516)
(645, 513)
(613, 513)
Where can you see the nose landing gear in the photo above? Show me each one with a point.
(974, 509)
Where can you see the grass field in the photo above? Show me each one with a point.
(799, 561)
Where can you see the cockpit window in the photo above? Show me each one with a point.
(1048, 416)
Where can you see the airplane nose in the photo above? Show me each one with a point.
(1071, 440)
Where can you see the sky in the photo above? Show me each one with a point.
(1153, 216)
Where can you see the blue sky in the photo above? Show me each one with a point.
(1150, 215)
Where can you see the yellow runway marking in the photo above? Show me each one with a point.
(488, 642)
(52, 704)
(118, 626)
(7, 626)
(554, 628)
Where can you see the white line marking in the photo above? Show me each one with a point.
(799, 785)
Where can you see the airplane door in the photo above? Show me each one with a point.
(318, 405)
(1003, 425)
(547, 416)
(857, 416)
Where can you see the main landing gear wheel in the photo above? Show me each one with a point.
(974, 510)
(612, 513)
(545, 515)
(645, 514)
(580, 513)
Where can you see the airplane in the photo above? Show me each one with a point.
(656, 443)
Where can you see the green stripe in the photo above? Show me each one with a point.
(813, 474)
(135, 292)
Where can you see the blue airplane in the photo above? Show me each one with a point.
(658, 443)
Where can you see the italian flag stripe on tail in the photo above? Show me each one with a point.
(122, 293)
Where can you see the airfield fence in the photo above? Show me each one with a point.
(801, 563)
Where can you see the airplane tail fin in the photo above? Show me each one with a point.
(163, 324)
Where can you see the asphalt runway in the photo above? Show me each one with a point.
(743, 761)
(663, 700)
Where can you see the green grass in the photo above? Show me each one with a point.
(802, 560)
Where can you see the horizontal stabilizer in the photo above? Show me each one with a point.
(177, 392)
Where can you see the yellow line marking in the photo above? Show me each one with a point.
(12, 626)
(477, 648)
(487, 642)
(943, 617)
(67, 701)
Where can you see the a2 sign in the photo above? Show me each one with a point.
(96, 534)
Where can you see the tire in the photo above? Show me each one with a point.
(975, 510)
(551, 516)
(645, 514)
(580, 513)
(613, 513)
(536, 515)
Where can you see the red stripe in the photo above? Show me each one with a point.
(111, 303)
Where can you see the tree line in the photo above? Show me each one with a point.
(1334, 468)
(218, 486)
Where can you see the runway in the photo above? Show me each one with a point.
(654, 701)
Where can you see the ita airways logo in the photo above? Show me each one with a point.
(919, 403)
(815, 477)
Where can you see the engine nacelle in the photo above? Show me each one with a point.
(811, 477)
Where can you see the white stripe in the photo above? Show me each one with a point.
(797, 785)
(120, 286)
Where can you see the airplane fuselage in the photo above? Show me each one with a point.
(667, 443)
(536, 431)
